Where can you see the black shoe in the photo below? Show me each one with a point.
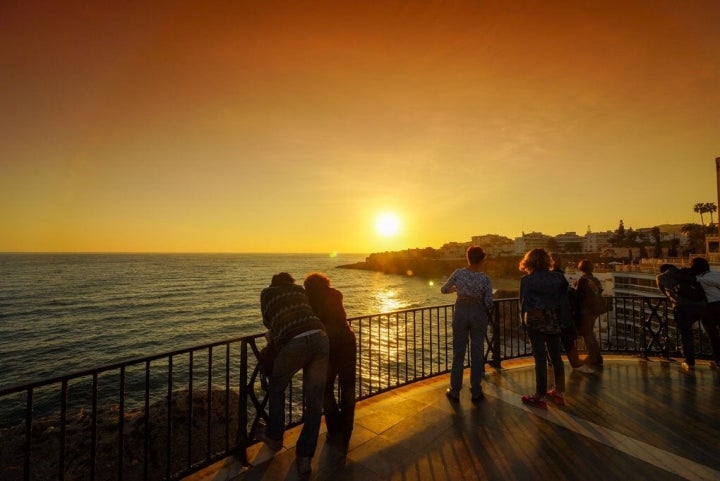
(452, 395)
(302, 463)
(479, 398)
(337, 440)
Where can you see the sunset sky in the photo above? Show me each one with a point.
(267, 126)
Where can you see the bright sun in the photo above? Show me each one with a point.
(387, 224)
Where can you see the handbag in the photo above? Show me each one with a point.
(546, 321)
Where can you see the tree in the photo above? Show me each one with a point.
(657, 251)
(699, 208)
(618, 239)
(710, 207)
(696, 237)
(631, 238)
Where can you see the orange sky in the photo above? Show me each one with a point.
(269, 126)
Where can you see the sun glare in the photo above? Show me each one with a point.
(387, 224)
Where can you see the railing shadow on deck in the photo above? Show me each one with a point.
(172, 414)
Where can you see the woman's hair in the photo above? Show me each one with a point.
(475, 254)
(699, 265)
(586, 266)
(535, 260)
(316, 280)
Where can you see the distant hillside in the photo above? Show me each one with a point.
(502, 267)
(671, 228)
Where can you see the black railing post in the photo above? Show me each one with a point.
(93, 428)
(243, 435)
(495, 341)
(121, 424)
(63, 423)
(209, 402)
(28, 434)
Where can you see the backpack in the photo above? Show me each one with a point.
(597, 302)
(592, 300)
(688, 287)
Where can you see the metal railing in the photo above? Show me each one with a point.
(169, 415)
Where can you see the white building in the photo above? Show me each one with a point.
(533, 240)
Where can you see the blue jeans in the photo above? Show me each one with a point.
(309, 353)
(539, 342)
(470, 320)
(685, 317)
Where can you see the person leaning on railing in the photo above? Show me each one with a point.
(327, 303)
(303, 344)
(710, 282)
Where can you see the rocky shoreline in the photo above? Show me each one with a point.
(189, 443)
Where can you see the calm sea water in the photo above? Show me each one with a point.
(60, 313)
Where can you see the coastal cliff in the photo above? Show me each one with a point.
(502, 270)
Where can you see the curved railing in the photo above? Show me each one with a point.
(168, 415)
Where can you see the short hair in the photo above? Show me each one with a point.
(535, 260)
(475, 254)
(666, 267)
(586, 266)
(316, 280)
(555, 259)
(699, 265)
(282, 278)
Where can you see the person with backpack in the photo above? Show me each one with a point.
(589, 304)
(678, 285)
(710, 282)
(568, 330)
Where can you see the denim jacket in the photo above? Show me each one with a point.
(546, 290)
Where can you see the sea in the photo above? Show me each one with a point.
(62, 313)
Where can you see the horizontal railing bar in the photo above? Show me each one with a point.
(121, 364)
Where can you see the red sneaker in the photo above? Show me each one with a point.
(535, 401)
(556, 397)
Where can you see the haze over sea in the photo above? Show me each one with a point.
(60, 313)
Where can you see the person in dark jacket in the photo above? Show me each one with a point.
(568, 333)
(327, 303)
(586, 288)
(685, 311)
(710, 282)
(543, 294)
(303, 344)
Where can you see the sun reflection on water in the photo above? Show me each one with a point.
(389, 300)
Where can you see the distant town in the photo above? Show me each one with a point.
(669, 240)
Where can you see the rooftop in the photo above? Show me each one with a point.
(634, 419)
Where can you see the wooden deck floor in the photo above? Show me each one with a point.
(634, 420)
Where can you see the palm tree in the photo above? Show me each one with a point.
(700, 209)
(710, 207)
